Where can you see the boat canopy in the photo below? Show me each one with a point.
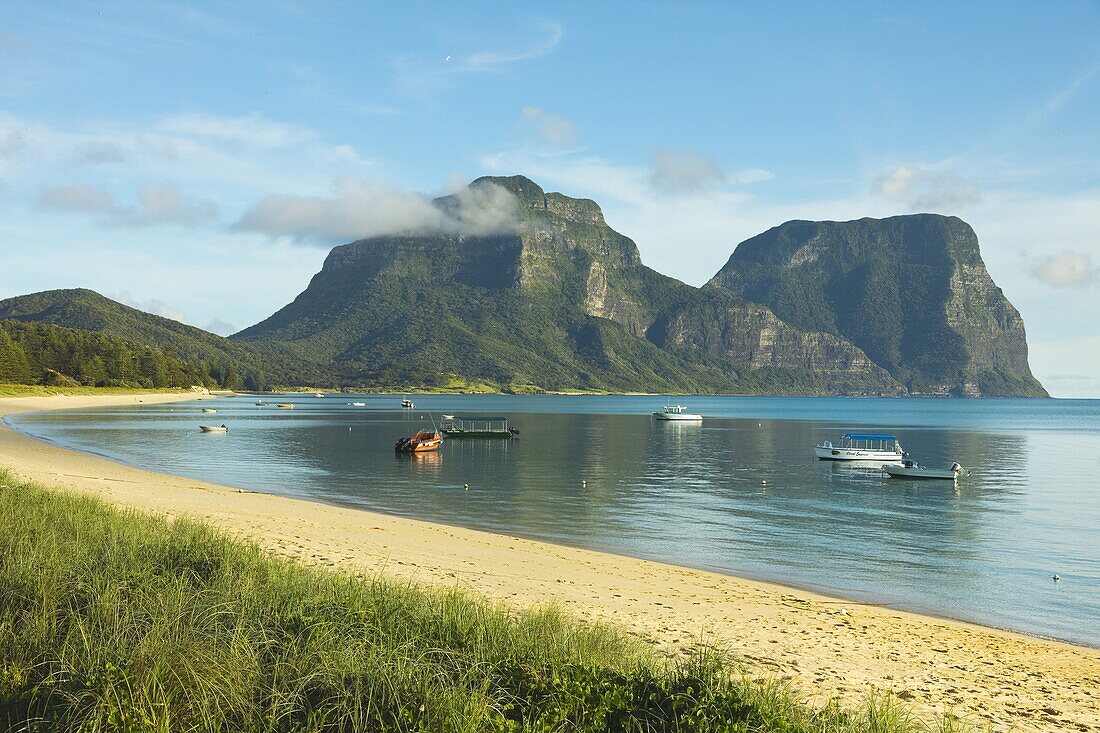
(867, 436)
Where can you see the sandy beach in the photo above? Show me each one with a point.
(825, 646)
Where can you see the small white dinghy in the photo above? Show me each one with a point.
(208, 409)
(358, 404)
(910, 469)
(214, 428)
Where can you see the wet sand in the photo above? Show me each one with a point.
(826, 647)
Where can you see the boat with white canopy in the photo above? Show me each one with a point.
(676, 412)
(876, 447)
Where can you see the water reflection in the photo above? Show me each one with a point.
(739, 492)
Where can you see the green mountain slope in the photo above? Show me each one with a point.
(38, 353)
(558, 300)
(90, 311)
(910, 291)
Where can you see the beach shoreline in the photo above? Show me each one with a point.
(826, 646)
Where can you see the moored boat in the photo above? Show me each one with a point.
(285, 405)
(407, 404)
(208, 409)
(422, 442)
(358, 404)
(476, 427)
(911, 469)
(213, 428)
(875, 447)
(676, 412)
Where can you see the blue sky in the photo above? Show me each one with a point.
(199, 160)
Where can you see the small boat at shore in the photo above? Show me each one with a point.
(318, 394)
(423, 442)
(214, 428)
(208, 409)
(285, 405)
(261, 404)
(875, 447)
(676, 412)
(911, 469)
(476, 427)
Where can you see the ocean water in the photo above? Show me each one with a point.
(599, 472)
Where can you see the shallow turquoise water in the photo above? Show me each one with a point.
(694, 495)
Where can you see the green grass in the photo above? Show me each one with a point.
(38, 390)
(118, 621)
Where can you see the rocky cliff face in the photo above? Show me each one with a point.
(557, 299)
(910, 291)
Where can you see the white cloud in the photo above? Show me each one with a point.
(493, 60)
(684, 171)
(252, 130)
(924, 189)
(422, 78)
(220, 327)
(549, 127)
(156, 205)
(358, 209)
(153, 305)
(1065, 270)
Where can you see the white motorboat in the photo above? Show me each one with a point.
(214, 428)
(407, 404)
(318, 394)
(261, 404)
(208, 409)
(910, 469)
(865, 447)
(358, 404)
(676, 412)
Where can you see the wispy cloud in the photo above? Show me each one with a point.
(487, 61)
(549, 127)
(358, 209)
(156, 206)
(684, 171)
(154, 305)
(1065, 270)
(253, 130)
(422, 78)
(920, 188)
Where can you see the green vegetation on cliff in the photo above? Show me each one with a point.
(117, 621)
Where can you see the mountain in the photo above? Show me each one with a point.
(556, 298)
(526, 289)
(38, 353)
(89, 311)
(911, 291)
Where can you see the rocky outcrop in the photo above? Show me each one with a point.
(911, 291)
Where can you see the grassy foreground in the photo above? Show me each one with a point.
(117, 621)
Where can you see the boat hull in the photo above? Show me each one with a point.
(213, 429)
(826, 453)
(920, 473)
(678, 416)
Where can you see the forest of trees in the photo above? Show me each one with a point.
(36, 353)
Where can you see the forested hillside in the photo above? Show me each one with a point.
(38, 353)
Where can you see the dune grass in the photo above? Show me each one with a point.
(117, 621)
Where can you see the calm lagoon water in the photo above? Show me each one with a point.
(693, 495)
